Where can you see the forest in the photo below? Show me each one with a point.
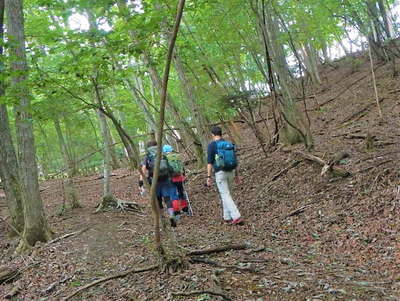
(307, 91)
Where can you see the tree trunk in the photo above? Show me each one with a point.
(114, 158)
(376, 23)
(292, 130)
(35, 228)
(294, 127)
(189, 91)
(107, 194)
(71, 195)
(8, 159)
(311, 63)
(9, 172)
(187, 132)
(387, 22)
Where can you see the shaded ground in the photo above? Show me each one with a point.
(311, 237)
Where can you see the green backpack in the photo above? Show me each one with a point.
(175, 163)
(164, 166)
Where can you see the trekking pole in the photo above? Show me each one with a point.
(187, 199)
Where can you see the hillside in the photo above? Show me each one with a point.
(311, 237)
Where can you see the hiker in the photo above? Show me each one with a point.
(177, 177)
(221, 157)
(165, 189)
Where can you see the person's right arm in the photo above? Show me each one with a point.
(210, 161)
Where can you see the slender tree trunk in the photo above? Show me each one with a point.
(107, 194)
(71, 195)
(187, 132)
(47, 162)
(142, 105)
(311, 63)
(35, 228)
(196, 110)
(114, 158)
(388, 25)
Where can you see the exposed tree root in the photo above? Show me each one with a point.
(172, 265)
(209, 292)
(112, 202)
(101, 280)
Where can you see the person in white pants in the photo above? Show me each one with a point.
(224, 180)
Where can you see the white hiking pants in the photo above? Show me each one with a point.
(224, 181)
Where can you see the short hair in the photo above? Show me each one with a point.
(151, 143)
(216, 131)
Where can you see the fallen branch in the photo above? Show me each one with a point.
(11, 226)
(360, 112)
(192, 293)
(218, 249)
(67, 235)
(101, 280)
(7, 274)
(326, 166)
(343, 91)
(296, 211)
(219, 265)
(52, 286)
(14, 291)
(285, 170)
(374, 166)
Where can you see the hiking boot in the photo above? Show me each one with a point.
(173, 222)
(237, 221)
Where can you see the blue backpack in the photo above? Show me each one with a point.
(225, 158)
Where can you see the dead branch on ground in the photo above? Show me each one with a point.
(219, 265)
(7, 274)
(360, 112)
(285, 170)
(14, 291)
(327, 167)
(67, 235)
(373, 166)
(119, 275)
(218, 249)
(202, 292)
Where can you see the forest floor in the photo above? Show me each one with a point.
(310, 237)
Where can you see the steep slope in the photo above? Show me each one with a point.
(312, 237)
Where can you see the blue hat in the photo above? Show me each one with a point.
(167, 148)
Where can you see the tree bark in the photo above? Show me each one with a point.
(8, 159)
(69, 187)
(188, 88)
(107, 193)
(35, 228)
(295, 129)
